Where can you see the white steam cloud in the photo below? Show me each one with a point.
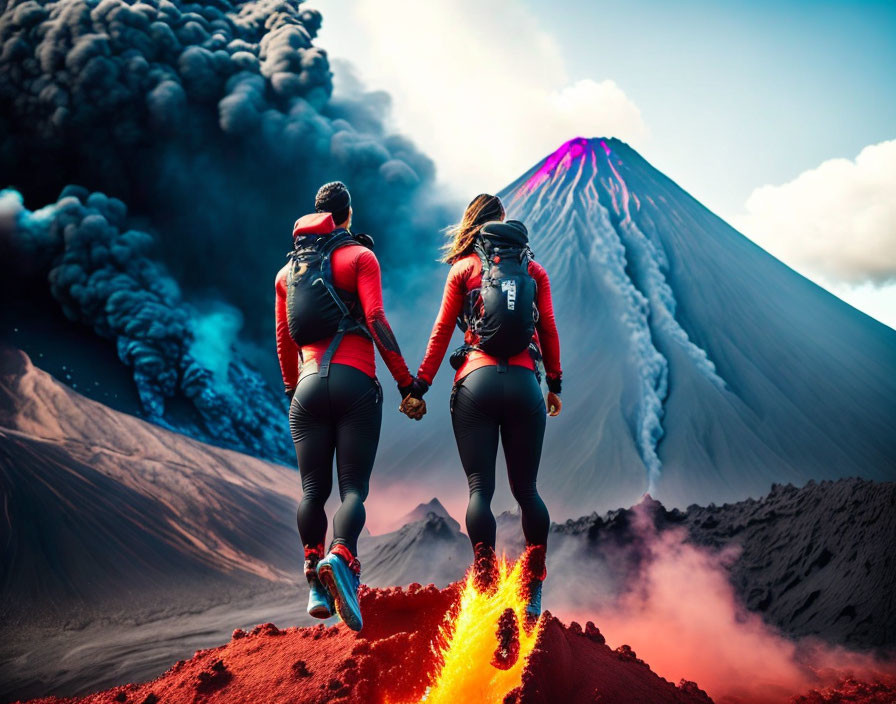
(836, 222)
(481, 86)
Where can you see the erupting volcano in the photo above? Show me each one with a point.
(155, 155)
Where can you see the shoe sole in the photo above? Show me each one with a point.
(321, 612)
(323, 608)
(325, 574)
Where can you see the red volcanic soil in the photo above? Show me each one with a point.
(391, 660)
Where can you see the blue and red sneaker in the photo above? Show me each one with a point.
(533, 603)
(340, 573)
(534, 572)
(320, 603)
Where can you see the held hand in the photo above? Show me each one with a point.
(554, 404)
(414, 408)
(412, 404)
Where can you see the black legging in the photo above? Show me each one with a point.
(340, 414)
(485, 402)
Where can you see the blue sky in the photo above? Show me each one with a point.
(769, 89)
(780, 117)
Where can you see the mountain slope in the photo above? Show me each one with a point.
(431, 549)
(115, 508)
(422, 512)
(123, 545)
(812, 561)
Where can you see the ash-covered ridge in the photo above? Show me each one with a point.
(813, 561)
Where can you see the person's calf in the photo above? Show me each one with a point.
(536, 521)
(349, 519)
(311, 520)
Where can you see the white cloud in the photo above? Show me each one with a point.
(835, 223)
(481, 87)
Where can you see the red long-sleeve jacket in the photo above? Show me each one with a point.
(465, 276)
(356, 270)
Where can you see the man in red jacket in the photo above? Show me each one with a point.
(336, 400)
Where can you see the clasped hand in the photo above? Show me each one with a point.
(412, 403)
(414, 408)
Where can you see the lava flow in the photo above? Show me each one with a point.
(474, 665)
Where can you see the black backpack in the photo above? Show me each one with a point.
(315, 310)
(503, 311)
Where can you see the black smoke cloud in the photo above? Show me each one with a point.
(214, 123)
(103, 275)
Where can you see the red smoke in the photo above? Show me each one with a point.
(683, 617)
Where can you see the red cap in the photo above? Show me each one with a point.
(314, 224)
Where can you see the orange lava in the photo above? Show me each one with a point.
(468, 642)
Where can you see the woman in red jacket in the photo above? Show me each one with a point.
(497, 396)
(336, 401)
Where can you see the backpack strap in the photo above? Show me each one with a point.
(479, 249)
(324, 366)
(474, 295)
(469, 308)
(537, 360)
(340, 238)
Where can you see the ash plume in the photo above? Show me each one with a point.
(104, 276)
